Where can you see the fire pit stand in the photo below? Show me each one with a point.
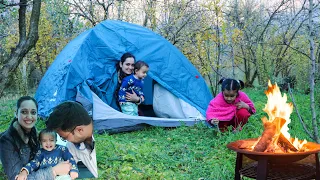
(273, 166)
(262, 169)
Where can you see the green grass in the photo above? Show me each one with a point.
(176, 153)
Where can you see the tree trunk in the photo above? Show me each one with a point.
(119, 9)
(25, 42)
(24, 77)
(312, 71)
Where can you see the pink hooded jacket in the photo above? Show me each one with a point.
(218, 108)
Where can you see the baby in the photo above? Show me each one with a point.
(49, 155)
(134, 82)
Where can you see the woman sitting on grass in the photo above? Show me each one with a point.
(231, 107)
(19, 144)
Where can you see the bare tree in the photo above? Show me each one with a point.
(259, 26)
(26, 41)
(150, 14)
(312, 71)
(94, 11)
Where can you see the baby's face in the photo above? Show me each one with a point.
(48, 142)
(142, 72)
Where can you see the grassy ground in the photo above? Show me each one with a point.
(176, 153)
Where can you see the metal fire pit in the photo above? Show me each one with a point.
(265, 165)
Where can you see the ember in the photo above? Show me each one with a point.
(275, 137)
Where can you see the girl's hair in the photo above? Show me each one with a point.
(33, 142)
(231, 84)
(138, 65)
(48, 132)
(122, 60)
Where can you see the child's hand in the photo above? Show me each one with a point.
(73, 175)
(241, 105)
(214, 121)
(22, 176)
(62, 168)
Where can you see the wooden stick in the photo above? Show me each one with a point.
(285, 144)
(297, 111)
(266, 138)
(270, 134)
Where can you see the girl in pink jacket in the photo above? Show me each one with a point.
(231, 107)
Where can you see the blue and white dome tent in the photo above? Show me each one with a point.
(85, 71)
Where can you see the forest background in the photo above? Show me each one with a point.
(251, 40)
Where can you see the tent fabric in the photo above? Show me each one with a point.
(116, 119)
(167, 105)
(88, 64)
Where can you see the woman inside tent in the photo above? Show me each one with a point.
(125, 68)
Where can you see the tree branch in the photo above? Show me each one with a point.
(297, 50)
(271, 18)
(4, 5)
(22, 21)
(25, 43)
(297, 111)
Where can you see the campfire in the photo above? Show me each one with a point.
(275, 137)
(275, 155)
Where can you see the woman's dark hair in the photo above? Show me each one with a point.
(125, 56)
(231, 84)
(33, 140)
(139, 64)
(48, 132)
(122, 60)
(25, 98)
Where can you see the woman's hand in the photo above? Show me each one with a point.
(242, 104)
(22, 176)
(132, 97)
(74, 175)
(62, 168)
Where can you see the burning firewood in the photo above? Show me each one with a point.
(266, 138)
(270, 134)
(246, 144)
(285, 144)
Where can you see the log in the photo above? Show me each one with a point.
(266, 138)
(270, 133)
(285, 144)
(246, 144)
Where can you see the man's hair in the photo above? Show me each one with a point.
(68, 115)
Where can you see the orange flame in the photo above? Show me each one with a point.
(277, 106)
